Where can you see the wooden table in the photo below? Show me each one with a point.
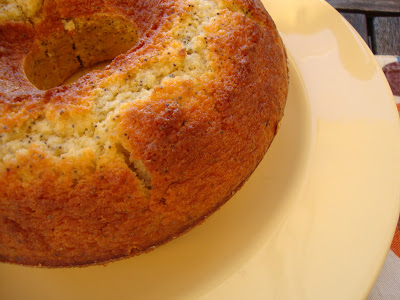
(377, 21)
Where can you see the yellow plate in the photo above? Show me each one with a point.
(314, 221)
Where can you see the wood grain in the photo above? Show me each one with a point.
(382, 6)
(385, 35)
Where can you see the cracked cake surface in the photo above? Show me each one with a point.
(131, 156)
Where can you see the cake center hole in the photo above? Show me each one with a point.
(79, 46)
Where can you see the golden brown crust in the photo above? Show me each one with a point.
(164, 161)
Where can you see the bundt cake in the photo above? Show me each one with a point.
(128, 157)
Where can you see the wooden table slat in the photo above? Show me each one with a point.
(381, 6)
(386, 36)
